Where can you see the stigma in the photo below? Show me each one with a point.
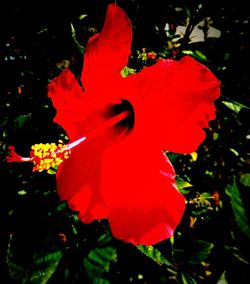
(51, 155)
(43, 156)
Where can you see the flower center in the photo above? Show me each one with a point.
(45, 156)
(125, 105)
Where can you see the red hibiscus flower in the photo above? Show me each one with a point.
(118, 128)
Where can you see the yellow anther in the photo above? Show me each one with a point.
(47, 155)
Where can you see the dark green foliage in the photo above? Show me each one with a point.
(238, 208)
(41, 240)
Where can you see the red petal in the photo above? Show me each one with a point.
(177, 101)
(139, 189)
(76, 112)
(68, 99)
(107, 53)
(79, 177)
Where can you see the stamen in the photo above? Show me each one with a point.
(46, 156)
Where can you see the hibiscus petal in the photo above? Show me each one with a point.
(139, 189)
(76, 113)
(79, 177)
(67, 98)
(108, 52)
(176, 103)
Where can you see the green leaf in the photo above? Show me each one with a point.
(201, 55)
(200, 251)
(236, 253)
(235, 106)
(104, 239)
(16, 271)
(39, 271)
(185, 278)
(101, 281)
(52, 171)
(127, 71)
(182, 183)
(222, 279)
(245, 179)
(43, 267)
(80, 47)
(99, 259)
(156, 256)
(196, 54)
(234, 151)
(32, 268)
(172, 156)
(83, 16)
(238, 208)
(21, 120)
(200, 211)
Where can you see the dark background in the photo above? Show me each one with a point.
(41, 240)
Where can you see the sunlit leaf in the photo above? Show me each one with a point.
(182, 183)
(222, 279)
(127, 71)
(238, 208)
(234, 151)
(156, 256)
(234, 106)
(83, 16)
(215, 136)
(200, 55)
(52, 171)
(22, 192)
(73, 33)
(245, 179)
(196, 54)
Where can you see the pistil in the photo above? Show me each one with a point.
(51, 155)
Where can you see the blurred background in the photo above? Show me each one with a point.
(41, 239)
